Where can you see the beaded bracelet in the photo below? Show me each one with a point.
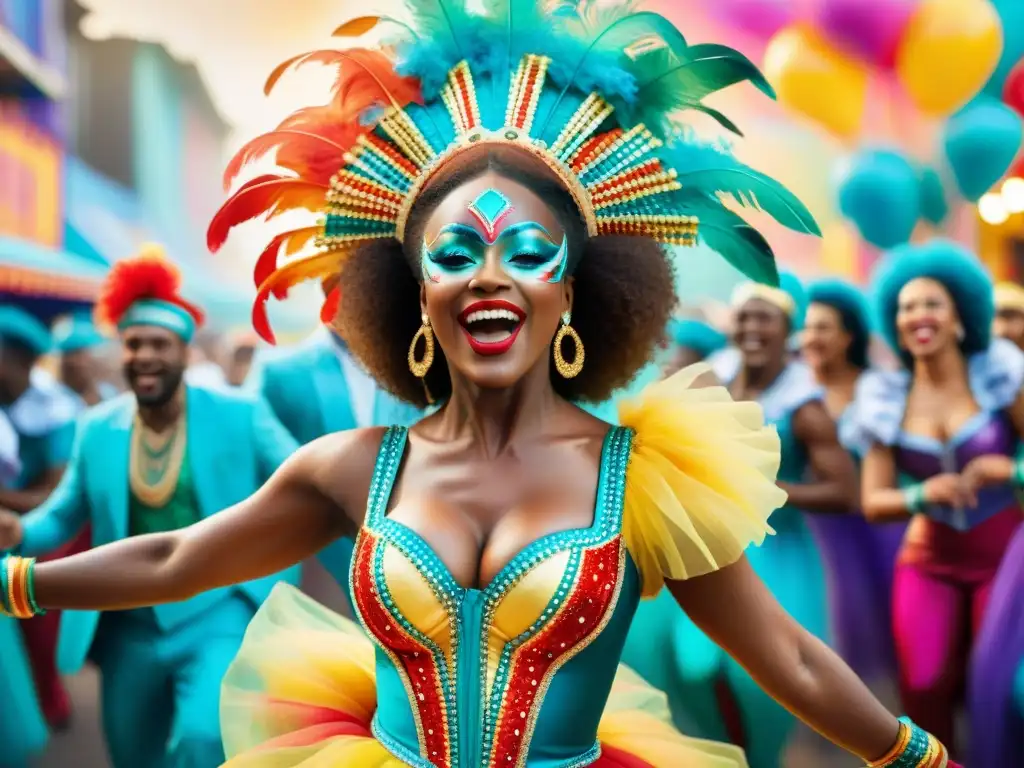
(17, 587)
(914, 748)
(913, 498)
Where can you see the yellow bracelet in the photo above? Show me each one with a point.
(897, 749)
(18, 569)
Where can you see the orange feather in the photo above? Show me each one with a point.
(330, 308)
(367, 78)
(293, 241)
(320, 266)
(268, 196)
(356, 27)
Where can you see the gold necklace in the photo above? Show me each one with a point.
(156, 461)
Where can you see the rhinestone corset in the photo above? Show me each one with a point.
(515, 674)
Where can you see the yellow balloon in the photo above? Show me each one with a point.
(814, 79)
(949, 50)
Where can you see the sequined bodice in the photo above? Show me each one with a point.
(515, 674)
(918, 458)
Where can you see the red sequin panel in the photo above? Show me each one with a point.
(532, 665)
(421, 673)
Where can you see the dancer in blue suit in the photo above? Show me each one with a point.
(319, 388)
(156, 460)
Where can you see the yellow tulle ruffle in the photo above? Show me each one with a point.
(701, 480)
(302, 692)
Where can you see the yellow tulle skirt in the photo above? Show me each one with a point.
(302, 694)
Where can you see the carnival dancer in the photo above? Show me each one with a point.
(502, 268)
(23, 731)
(859, 557)
(43, 414)
(705, 687)
(77, 341)
(947, 426)
(691, 341)
(1009, 320)
(152, 462)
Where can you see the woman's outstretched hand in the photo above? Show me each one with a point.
(950, 489)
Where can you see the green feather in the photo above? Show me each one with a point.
(715, 115)
(753, 190)
(702, 70)
(740, 244)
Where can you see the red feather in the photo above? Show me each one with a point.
(293, 240)
(330, 308)
(268, 196)
(325, 57)
(367, 78)
(150, 275)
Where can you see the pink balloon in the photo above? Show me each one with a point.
(868, 29)
(759, 17)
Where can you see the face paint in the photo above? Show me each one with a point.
(490, 208)
(527, 252)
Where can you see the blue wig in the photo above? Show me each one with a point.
(697, 335)
(958, 270)
(849, 302)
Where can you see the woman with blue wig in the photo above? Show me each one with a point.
(708, 692)
(860, 557)
(942, 435)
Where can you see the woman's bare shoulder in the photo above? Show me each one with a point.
(341, 465)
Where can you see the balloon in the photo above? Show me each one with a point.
(762, 18)
(981, 143)
(948, 52)
(880, 194)
(934, 207)
(815, 80)
(867, 29)
(1013, 88)
(1012, 14)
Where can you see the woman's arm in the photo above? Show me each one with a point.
(298, 512)
(735, 609)
(834, 488)
(883, 500)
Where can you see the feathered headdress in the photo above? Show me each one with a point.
(591, 90)
(145, 290)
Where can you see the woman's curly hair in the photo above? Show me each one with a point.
(624, 292)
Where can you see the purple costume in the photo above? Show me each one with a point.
(950, 558)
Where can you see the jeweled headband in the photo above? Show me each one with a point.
(597, 98)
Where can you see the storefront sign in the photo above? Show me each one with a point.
(30, 170)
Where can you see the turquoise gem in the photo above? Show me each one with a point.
(490, 206)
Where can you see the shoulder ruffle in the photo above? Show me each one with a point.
(876, 414)
(996, 375)
(701, 479)
(794, 388)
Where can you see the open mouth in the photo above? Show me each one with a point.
(924, 334)
(491, 327)
(147, 380)
(751, 344)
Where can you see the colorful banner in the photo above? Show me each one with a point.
(30, 166)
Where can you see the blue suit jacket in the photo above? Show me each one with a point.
(306, 388)
(235, 444)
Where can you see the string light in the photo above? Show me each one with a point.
(1013, 195)
(992, 209)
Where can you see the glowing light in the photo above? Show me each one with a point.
(992, 209)
(1013, 195)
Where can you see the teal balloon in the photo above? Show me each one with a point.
(981, 142)
(1011, 12)
(934, 207)
(880, 194)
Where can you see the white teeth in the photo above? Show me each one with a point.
(491, 314)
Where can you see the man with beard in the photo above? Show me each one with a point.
(43, 415)
(153, 460)
(1009, 321)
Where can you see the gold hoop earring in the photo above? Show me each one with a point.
(419, 368)
(565, 368)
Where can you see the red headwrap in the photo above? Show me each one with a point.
(150, 275)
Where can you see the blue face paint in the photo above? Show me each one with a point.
(490, 208)
(526, 249)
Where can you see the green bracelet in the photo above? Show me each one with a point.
(1018, 474)
(30, 589)
(913, 498)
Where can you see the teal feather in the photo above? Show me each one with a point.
(706, 169)
(738, 243)
(717, 116)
